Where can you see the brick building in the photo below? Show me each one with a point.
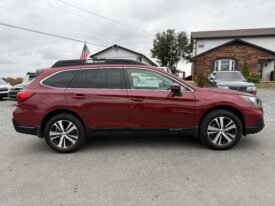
(230, 49)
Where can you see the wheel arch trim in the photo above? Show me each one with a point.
(56, 112)
(230, 108)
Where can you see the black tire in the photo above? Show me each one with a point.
(224, 137)
(67, 145)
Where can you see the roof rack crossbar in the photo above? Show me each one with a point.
(77, 62)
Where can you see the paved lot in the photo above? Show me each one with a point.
(134, 170)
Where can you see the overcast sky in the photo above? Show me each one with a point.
(22, 51)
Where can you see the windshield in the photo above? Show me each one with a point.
(2, 81)
(229, 76)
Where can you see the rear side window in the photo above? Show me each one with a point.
(99, 79)
(61, 79)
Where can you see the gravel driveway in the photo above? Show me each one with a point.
(138, 170)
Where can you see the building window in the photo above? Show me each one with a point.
(224, 65)
(201, 45)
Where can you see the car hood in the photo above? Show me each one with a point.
(5, 85)
(236, 84)
(211, 91)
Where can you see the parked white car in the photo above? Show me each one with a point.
(4, 89)
(17, 88)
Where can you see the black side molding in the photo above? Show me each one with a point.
(107, 131)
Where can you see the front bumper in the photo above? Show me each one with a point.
(13, 94)
(25, 129)
(4, 95)
(257, 127)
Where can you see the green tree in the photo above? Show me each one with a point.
(170, 47)
(245, 71)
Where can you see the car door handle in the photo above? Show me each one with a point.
(78, 96)
(137, 99)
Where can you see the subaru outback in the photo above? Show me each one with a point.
(75, 99)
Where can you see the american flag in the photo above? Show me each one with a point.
(85, 52)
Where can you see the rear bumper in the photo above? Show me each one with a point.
(257, 127)
(26, 130)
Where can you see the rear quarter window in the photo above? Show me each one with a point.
(60, 79)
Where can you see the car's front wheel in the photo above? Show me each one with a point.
(64, 133)
(220, 129)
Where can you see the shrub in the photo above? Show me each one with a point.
(245, 71)
(271, 76)
(254, 77)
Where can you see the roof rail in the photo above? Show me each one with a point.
(76, 62)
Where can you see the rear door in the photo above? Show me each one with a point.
(153, 105)
(99, 95)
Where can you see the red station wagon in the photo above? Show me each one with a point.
(74, 99)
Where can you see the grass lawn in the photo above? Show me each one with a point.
(266, 85)
(261, 85)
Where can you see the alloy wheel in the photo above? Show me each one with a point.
(222, 131)
(63, 134)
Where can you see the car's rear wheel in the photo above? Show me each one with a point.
(220, 129)
(64, 133)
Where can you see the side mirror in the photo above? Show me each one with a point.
(175, 88)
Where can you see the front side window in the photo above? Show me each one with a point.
(149, 80)
(224, 65)
(99, 79)
(60, 79)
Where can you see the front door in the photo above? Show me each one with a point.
(153, 105)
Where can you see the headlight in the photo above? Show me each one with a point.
(251, 88)
(253, 100)
(223, 87)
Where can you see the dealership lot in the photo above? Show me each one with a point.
(138, 170)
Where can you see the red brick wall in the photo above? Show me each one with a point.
(240, 52)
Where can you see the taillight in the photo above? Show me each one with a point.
(23, 96)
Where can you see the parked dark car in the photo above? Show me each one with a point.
(231, 80)
(17, 88)
(66, 104)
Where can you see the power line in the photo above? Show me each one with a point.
(49, 34)
(100, 16)
(84, 18)
(51, 21)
